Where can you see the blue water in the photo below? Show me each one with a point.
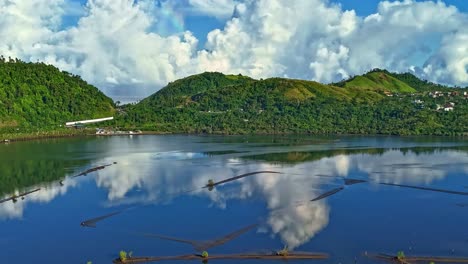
(157, 184)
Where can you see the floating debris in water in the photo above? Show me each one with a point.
(21, 195)
(415, 259)
(329, 193)
(205, 245)
(84, 173)
(242, 256)
(92, 222)
(348, 182)
(424, 188)
(212, 184)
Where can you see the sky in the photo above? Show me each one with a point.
(133, 48)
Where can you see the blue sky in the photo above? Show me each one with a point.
(201, 24)
(135, 47)
(367, 7)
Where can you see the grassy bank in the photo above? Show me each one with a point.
(30, 134)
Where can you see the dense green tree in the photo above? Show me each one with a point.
(40, 95)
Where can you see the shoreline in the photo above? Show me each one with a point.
(31, 138)
(19, 137)
(11, 138)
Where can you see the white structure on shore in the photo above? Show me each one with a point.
(90, 121)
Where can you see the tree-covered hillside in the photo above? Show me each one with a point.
(375, 103)
(36, 95)
(40, 95)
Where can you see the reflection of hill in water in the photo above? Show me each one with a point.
(271, 140)
(22, 174)
(306, 156)
(151, 173)
(27, 164)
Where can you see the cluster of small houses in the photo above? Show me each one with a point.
(446, 107)
(111, 132)
(436, 94)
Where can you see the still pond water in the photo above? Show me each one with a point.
(157, 186)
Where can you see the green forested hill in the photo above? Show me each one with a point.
(217, 103)
(40, 95)
(36, 95)
(378, 81)
(178, 93)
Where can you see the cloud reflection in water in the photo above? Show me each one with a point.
(145, 178)
(161, 180)
(14, 210)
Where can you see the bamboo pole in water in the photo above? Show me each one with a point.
(291, 256)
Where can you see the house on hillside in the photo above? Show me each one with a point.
(387, 93)
(449, 107)
(436, 94)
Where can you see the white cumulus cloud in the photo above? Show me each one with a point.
(117, 45)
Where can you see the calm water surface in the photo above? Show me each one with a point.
(158, 181)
